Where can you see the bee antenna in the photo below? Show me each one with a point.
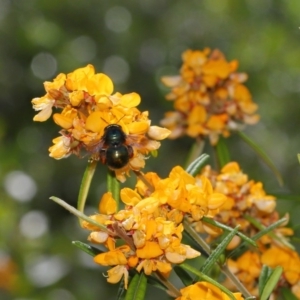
(120, 119)
(104, 120)
(114, 116)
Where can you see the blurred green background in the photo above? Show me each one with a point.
(135, 42)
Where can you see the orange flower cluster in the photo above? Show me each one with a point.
(209, 97)
(150, 224)
(249, 265)
(247, 197)
(8, 273)
(88, 106)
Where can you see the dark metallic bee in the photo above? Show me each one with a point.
(113, 150)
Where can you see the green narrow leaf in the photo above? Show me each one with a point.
(264, 230)
(228, 228)
(121, 291)
(77, 213)
(271, 283)
(183, 275)
(242, 247)
(137, 287)
(195, 151)
(208, 279)
(113, 186)
(287, 294)
(258, 225)
(85, 185)
(263, 156)
(215, 255)
(195, 167)
(87, 248)
(222, 153)
(298, 155)
(263, 277)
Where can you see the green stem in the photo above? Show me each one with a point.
(235, 281)
(113, 186)
(196, 237)
(144, 180)
(172, 290)
(85, 186)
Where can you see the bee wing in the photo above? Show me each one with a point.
(141, 143)
(95, 147)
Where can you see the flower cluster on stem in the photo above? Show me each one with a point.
(248, 205)
(88, 106)
(210, 98)
(150, 225)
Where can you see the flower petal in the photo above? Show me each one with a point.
(158, 133)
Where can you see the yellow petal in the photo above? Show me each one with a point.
(61, 148)
(216, 200)
(171, 81)
(150, 250)
(57, 83)
(76, 97)
(220, 68)
(150, 229)
(43, 115)
(115, 274)
(133, 261)
(111, 258)
(232, 167)
(148, 204)
(148, 265)
(139, 238)
(130, 100)
(138, 127)
(197, 115)
(44, 104)
(178, 254)
(236, 240)
(163, 267)
(108, 204)
(63, 121)
(217, 122)
(95, 122)
(211, 229)
(130, 197)
(100, 84)
(77, 80)
(158, 133)
(267, 206)
(99, 237)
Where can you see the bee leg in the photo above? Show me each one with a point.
(102, 154)
(130, 151)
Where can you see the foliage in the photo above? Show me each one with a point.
(135, 43)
